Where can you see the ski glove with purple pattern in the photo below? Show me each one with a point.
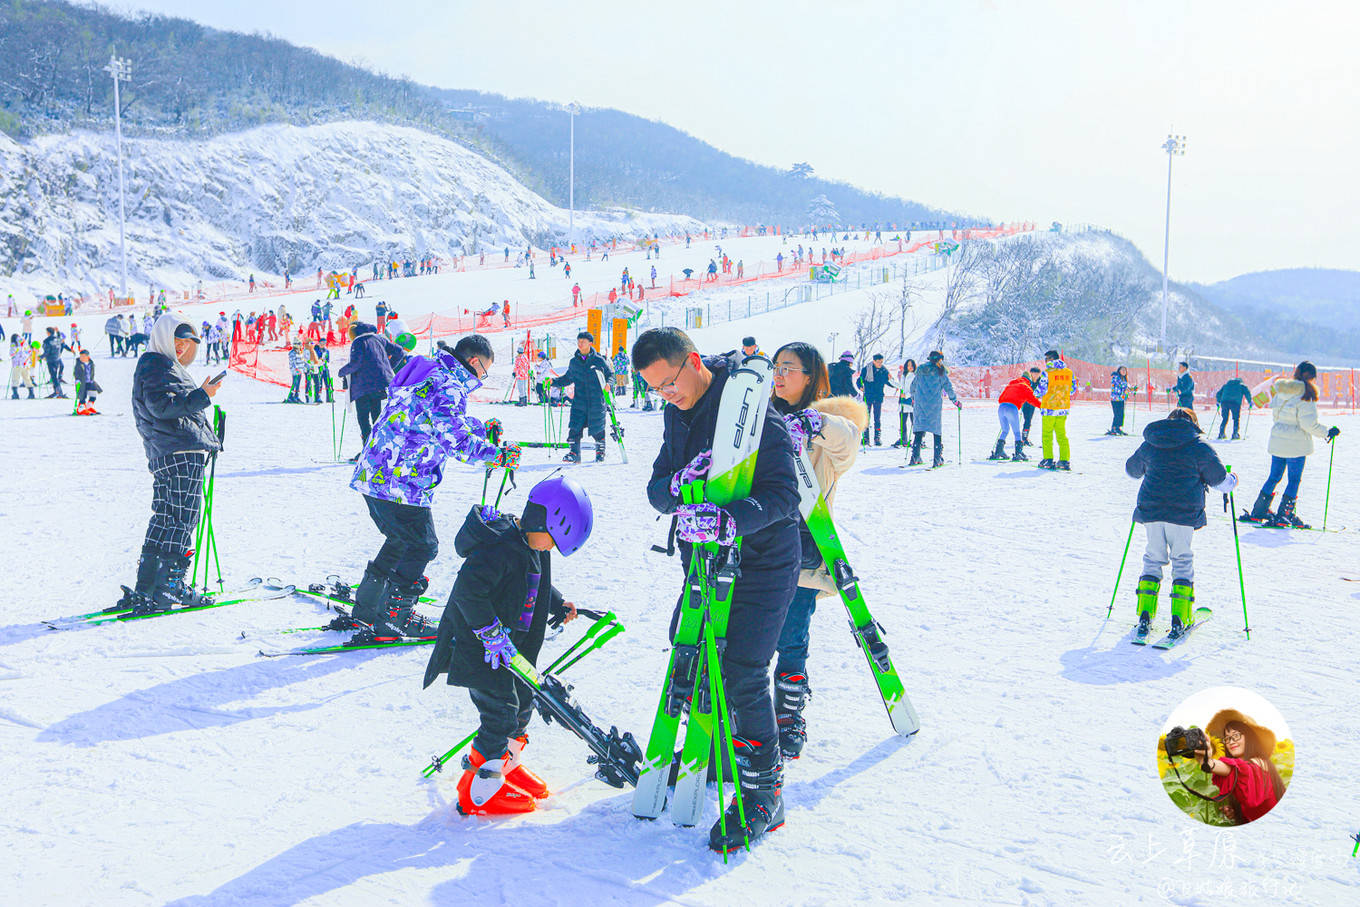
(696, 523)
(496, 642)
(803, 426)
(695, 470)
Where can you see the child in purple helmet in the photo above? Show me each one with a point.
(499, 607)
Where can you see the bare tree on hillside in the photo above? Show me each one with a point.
(962, 275)
(907, 319)
(872, 324)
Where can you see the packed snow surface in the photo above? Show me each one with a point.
(166, 762)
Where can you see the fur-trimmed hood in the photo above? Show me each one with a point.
(845, 407)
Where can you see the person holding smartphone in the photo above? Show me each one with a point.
(170, 412)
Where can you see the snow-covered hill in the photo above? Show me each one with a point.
(277, 197)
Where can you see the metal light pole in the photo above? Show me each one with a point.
(1174, 145)
(573, 109)
(121, 70)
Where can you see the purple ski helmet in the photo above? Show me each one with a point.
(560, 507)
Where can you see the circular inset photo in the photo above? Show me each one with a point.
(1225, 756)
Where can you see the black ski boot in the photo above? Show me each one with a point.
(939, 455)
(1019, 455)
(915, 452)
(1064, 466)
(1000, 452)
(156, 578)
(761, 788)
(864, 438)
(1024, 438)
(1284, 517)
(878, 438)
(1260, 511)
(599, 450)
(1047, 463)
(791, 693)
(385, 604)
(574, 454)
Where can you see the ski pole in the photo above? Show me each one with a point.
(75, 404)
(335, 450)
(340, 445)
(959, 410)
(1328, 502)
(1241, 581)
(1120, 575)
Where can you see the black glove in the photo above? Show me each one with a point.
(1332, 433)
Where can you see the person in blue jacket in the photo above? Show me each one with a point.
(368, 373)
(1175, 466)
(1230, 398)
(1185, 387)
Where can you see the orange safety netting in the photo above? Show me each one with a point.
(1336, 387)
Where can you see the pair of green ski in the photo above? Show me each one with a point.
(615, 429)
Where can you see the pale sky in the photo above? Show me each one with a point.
(1008, 109)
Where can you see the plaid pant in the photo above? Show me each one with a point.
(176, 498)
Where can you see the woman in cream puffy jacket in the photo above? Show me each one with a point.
(829, 429)
(1293, 404)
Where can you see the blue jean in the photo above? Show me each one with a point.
(1009, 415)
(1278, 465)
(793, 639)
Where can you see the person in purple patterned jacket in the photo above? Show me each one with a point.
(423, 422)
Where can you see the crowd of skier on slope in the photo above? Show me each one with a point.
(505, 592)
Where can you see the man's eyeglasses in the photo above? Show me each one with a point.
(669, 387)
(782, 370)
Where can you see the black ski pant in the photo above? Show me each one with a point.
(176, 500)
(115, 345)
(54, 370)
(760, 603)
(1234, 410)
(876, 415)
(367, 408)
(583, 413)
(410, 543)
(1028, 411)
(1118, 407)
(503, 715)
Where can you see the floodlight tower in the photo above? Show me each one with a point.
(121, 70)
(574, 109)
(1173, 146)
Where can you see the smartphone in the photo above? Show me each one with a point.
(218, 378)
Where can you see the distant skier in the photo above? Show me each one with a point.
(1055, 392)
(905, 376)
(1175, 466)
(874, 379)
(770, 555)
(1015, 394)
(932, 380)
(499, 608)
(587, 402)
(423, 423)
(1185, 387)
(1119, 392)
(842, 374)
(620, 364)
(1230, 398)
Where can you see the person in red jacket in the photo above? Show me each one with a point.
(1016, 393)
(1246, 774)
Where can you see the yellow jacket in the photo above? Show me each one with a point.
(1057, 389)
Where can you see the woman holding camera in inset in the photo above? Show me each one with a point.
(1246, 774)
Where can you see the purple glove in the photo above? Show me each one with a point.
(705, 522)
(496, 642)
(803, 426)
(697, 469)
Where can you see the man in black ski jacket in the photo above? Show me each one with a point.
(52, 347)
(875, 379)
(587, 404)
(1230, 397)
(842, 376)
(767, 522)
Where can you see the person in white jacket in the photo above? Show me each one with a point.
(829, 429)
(1293, 405)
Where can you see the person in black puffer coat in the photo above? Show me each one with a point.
(170, 412)
(369, 372)
(1175, 466)
(587, 403)
(842, 376)
(498, 610)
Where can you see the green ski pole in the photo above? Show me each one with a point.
(335, 449)
(1328, 503)
(75, 404)
(1120, 575)
(1241, 581)
(959, 410)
